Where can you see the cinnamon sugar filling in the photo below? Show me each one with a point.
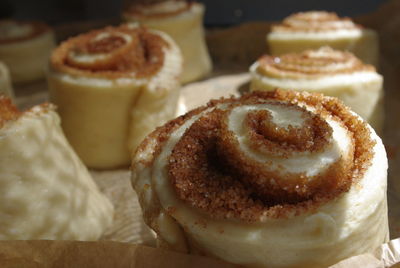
(269, 138)
(208, 171)
(311, 64)
(38, 28)
(315, 21)
(138, 9)
(8, 111)
(122, 52)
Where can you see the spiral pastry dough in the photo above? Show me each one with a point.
(331, 72)
(46, 192)
(114, 86)
(25, 48)
(5, 83)
(314, 29)
(183, 21)
(272, 179)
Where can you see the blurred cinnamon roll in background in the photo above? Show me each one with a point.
(314, 29)
(331, 72)
(271, 179)
(25, 48)
(112, 87)
(46, 192)
(5, 81)
(183, 21)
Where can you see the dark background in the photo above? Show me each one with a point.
(219, 12)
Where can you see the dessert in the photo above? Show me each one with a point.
(46, 192)
(113, 86)
(183, 21)
(331, 72)
(25, 48)
(5, 83)
(314, 29)
(271, 179)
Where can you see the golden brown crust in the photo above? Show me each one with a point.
(208, 171)
(141, 56)
(38, 28)
(314, 21)
(136, 10)
(311, 64)
(8, 111)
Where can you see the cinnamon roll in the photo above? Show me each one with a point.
(5, 83)
(46, 192)
(25, 48)
(270, 179)
(331, 72)
(314, 29)
(113, 86)
(183, 21)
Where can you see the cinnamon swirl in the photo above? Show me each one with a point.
(271, 179)
(183, 21)
(331, 72)
(5, 83)
(25, 48)
(46, 192)
(113, 86)
(314, 29)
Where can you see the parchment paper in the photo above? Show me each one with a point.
(103, 254)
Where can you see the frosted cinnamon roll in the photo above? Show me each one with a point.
(46, 192)
(331, 72)
(25, 48)
(314, 29)
(183, 21)
(5, 83)
(271, 179)
(114, 86)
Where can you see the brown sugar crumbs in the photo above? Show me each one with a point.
(8, 111)
(104, 45)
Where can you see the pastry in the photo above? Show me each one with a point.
(25, 48)
(271, 179)
(331, 72)
(183, 21)
(314, 29)
(114, 86)
(5, 83)
(46, 192)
